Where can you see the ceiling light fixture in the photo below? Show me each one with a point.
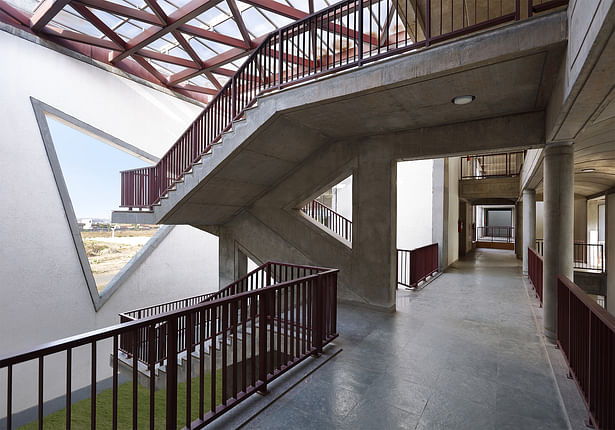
(589, 170)
(463, 100)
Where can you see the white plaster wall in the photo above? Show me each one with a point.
(453, 210)
(414, 203)
(343, 198)
(43, 290)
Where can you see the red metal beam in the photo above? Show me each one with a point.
(80, 37)
(211, 65)
(186, 45)
(239, 21)
(213, 80)
(96, 22)
(126, 12)
(171, 59)
(150, 69)
(176, 20)
(15, 14)
(196, 89)
(278, 8)
(45, 13)
(212, 35)
(155, 7)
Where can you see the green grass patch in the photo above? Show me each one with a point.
(80, 411)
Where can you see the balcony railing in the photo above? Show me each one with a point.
(586, 337)
(534, 272)
(491, 165)
(586, 256)
(416, 265)
(505, 234)
(267, 274)
(335, 222)
(346, 35)
(278, 326)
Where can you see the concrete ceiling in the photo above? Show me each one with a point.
(503, 88)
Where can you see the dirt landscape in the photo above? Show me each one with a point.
(108, 252)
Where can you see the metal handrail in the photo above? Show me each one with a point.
(288, 56)
(326, 216)
(301, 310)
(585, 335)
(416, 265)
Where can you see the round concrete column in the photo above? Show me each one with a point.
(558, 227)
(529, 224)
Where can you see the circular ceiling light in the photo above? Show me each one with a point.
(589, 170)
(463, 100)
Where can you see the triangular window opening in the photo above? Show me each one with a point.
(333, 209)
(90, 169)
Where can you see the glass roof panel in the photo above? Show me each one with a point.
(229, 28)
(257, 24)
(300, 4)
(71, 20)
(129, 30)
(278, 20)
(213, 16)
(200, 46)
(167, 7)
(111, 20)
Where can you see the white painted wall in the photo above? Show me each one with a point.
(453, 210)
(43, 290)
(342, 197)
(414, 203)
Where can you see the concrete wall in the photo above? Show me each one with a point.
(453, 210)
(585, 19)
(580, 218)
(540, 211)
(414, 203)
(43, 290)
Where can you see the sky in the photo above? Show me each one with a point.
(91, 170)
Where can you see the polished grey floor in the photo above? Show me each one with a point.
(463, 353)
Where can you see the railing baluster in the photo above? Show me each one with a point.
(69, 370)
(40, 391)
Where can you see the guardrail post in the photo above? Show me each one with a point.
(360, 41)
(262, 341)
(280, 59)
(171, 412)
(233, 97)
(427, 22)
(317, 315)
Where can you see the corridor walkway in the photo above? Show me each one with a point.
(463, 353)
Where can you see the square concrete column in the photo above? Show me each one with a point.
(439, 229)
(609, 250)
(374, 227)
(232, 262)
(558, 227)
(529, 224)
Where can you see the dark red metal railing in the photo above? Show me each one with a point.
(534, 271)
(268, 330)
(415, 265)
(586, 337)
(335, 222)
(348, 34)
(491, 165)
(267, 274)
